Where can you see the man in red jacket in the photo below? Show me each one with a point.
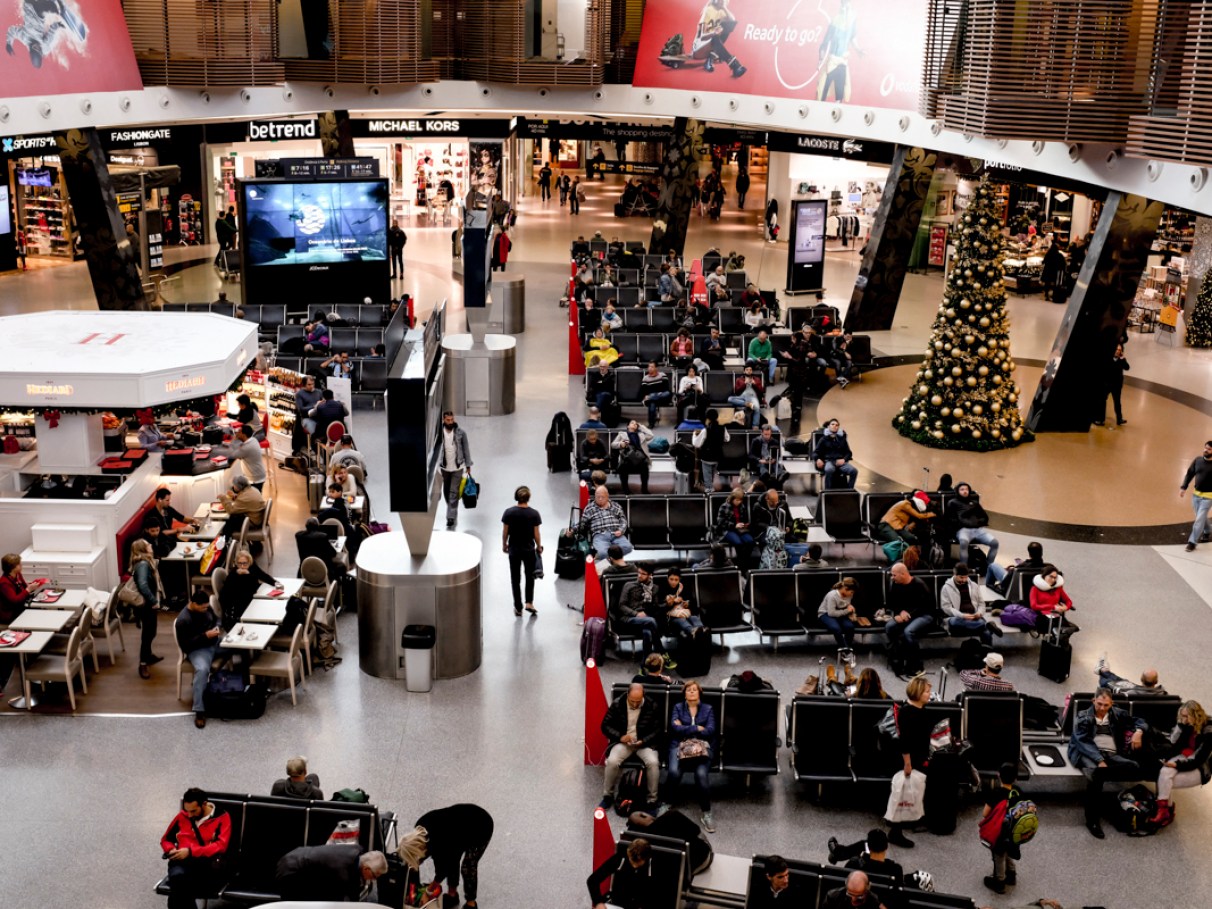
(195, 844)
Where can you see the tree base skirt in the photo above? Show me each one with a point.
(961, 442)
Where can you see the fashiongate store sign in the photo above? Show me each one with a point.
(866, 52)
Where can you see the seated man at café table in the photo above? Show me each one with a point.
(167, 516)
(306, 398)
(329, 410)
(161, 543)
(242, 501)
(197, 836)
(335, 506)
(247, 450)
(347, 455)
(298, 784)
(198, 632)
(312, 541)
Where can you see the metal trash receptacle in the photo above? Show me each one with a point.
(508, 313)
(418, 641)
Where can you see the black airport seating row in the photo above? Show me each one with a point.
(597, 249)
(718, 384)
(746, 723)
(269, 316)
(812, 882)
(369, 373)
(730, 320)
(227, 308)
(653, 346)
(354, 341)
(627, 295)
(835, 740)
(678, 521)
(264, 828)
(717, 593)
(797, 316)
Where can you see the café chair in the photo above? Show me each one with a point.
(260, 534)
(275, 664)
(282, 639)
(314, 573)
(218, 578)
(59, 668)
(333, 522)
(111, 623)
(330, 609)
(183, 665)
(88, 646)
(359, 477)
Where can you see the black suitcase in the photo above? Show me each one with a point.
(632, 792)
(1129, 811)
(229, 697)
(946, 772)
(570, 561)
(1055, 653)
(694, 655)
(213, 435)
(315, 490)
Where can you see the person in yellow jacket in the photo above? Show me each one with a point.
(900, 520)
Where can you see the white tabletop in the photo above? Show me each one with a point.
(69, 599)
(248, 637)
(42, 620)
(272, 611)
(290, 587)
(35, 643)
(208, 531)
(338, 544)
(179, 553)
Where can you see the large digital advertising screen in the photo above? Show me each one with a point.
(321, 238)
(866, 52)
(55, 47)
(809, 234)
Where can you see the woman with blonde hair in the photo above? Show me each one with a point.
(454, 838)
(914, 726)
(147, 581)
(1188, 760)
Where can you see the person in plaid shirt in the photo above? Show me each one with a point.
(605, 523)
(989, 678)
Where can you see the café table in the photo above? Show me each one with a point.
(251, 636)
(260, 611)
(34, 644)
(69, 599)
(206, 532)
(51, 620)
(289, 587)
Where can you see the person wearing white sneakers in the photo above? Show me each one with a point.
(691, 748)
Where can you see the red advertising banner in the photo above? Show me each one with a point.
(866, 52)
(56, 47)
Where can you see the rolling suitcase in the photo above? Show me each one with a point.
(593, 640)
(315, 490)
(694, 655)
(1055, 653)
(570, 552)
(947, 772)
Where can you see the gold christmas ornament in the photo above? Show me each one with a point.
(971, 380)
(983, 370)
(936, 400)
(946, 412)
(938, 433)
(916, 424)
(958, 413)
(956, 428)
(948, 381)
(956, 371)
(984, 322)
(976, 433)
(995, 407)
(982, 351)
(1016, 435)
(977, 409)
(996, 433)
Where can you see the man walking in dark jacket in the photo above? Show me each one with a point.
(1199, 473)
(545, 182)
(632, 726)
(396, 238)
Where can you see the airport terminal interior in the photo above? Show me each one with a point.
(88, 792)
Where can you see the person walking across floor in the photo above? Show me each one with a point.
(742, 188)
(455, 463)
(1113, 385)
(522, 542)
(1199, 474)
(455, 838)
(396, 238)
(545, 182)
(147, 581)
(574, 197)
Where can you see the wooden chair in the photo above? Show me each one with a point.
(333, 522)
(262, 534)
(282, 640)
(275, 664)
(315, 577)
(56, 668)
(112, 623)
(88, 646)
(183, 665)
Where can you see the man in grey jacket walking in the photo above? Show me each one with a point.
(455, 463)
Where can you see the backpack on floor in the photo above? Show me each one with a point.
(633, 791)
(894, 549)
(904, 658)
(229, 697)
(593, 640)
(1131, 810)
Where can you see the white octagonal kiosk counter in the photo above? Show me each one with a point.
(56, 362)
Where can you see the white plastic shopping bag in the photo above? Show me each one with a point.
(908, 798)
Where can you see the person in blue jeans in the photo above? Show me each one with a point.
(1199, 474)
(965, 513)
(198, 632)
(732, 524)
(911, 605)
(692, 719)
(837, 612)
(637, 608)
(657, 390)
(747, 394)
(680, 610)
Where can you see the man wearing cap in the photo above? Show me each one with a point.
(987, 679)
(963, 603)
(899, 521)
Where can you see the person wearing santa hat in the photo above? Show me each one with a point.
(900, 520)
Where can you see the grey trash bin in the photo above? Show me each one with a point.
(418, 642)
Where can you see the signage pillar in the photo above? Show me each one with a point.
(1097, 315)
(677, 179)
(336, 134)
(877, 289)
(113, 263)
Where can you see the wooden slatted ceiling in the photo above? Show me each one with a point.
(183, 42)
(1179, 127)
(1071, 70)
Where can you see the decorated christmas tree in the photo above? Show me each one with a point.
(964, 395)
(1199, 326)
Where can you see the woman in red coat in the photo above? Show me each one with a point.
(1048, 598)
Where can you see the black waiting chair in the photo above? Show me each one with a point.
(841, 514)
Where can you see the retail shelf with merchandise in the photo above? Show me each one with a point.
(281, 385)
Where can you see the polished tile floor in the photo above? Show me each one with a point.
(93, 793)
